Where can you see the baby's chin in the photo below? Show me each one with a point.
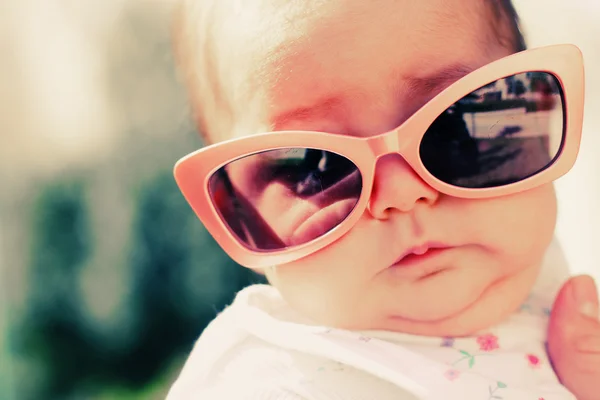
(468, 322)
(463, 323)
(489, 307)
(435, 306)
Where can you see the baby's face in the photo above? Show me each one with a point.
(362, 68)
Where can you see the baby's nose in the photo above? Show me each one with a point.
(397, 187)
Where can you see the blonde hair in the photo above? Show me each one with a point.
(194, 39)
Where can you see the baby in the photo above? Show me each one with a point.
(402, 207)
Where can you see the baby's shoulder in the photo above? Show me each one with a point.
(254, 369)
(243, 369)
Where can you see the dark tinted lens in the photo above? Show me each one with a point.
(499, 134)
(286, 197)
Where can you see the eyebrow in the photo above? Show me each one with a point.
(438, 80)
(432, 83)
(322, 106)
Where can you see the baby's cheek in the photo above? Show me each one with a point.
(523, 225)
(318, 291)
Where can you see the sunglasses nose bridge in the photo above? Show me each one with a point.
(384, 144)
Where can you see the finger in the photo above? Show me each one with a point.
(574, 337)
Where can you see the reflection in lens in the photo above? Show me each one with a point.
(285, 197)
(499, 134)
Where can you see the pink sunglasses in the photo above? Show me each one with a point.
(507, 127)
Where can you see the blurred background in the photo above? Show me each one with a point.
(106, 276)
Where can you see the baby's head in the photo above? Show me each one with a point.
(362, 68)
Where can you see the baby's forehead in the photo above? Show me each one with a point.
(278, 27)
(269, 39)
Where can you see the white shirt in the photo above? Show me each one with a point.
(260, 349)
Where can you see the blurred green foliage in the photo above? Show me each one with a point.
(119, 276)
(179, 279)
